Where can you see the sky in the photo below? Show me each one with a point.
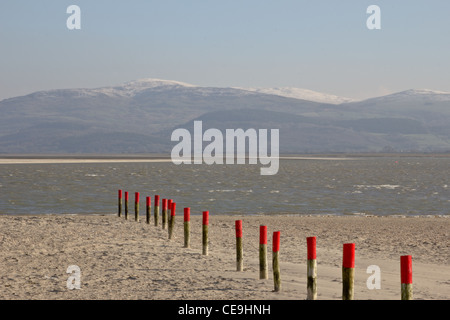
(319, 45)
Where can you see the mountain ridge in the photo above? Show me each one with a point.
(131, 88)
(138, 115)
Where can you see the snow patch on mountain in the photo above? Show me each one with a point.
(304, 94)
(128, 89)
(414, 94)
(432, 94)
(132, 88)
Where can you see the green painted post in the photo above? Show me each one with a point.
(172, 219)
(239, 246)
(348, 271)
(311, 286)
(263, 270)
(187, 231)
(276, 262)
(205, 226)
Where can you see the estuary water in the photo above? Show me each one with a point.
(357, 186)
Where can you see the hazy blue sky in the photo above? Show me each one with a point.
(318, 45)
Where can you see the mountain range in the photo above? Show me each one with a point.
(139, 117)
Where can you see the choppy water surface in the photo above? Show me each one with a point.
(379, 186)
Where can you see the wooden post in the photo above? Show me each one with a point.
(406, 277)
(126, 205)
(205, 225)
(120, 203)
(148, 208)
(164, 214)
(239, 246)
(172, 219)
(169, 207)
(136, 206)
(276, 262)
(263, 270)
(187, 219)
(311, 286)
(156, 211)
(348, 271)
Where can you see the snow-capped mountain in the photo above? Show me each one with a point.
(304, 94)
(139, 116)
(133, 88)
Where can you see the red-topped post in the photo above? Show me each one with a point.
(263, 270)
(136, 206)
(348, 271)
(239, 246)
(156, 210)
(311, 285)
(164, 213)
(120, 203)
(126, 205)
(205, 226)
(172, 219)
(187, 219)
(148, 207)
(275, 261)
(169, 207)
(406, 277)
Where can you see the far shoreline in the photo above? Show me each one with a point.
(159, 157)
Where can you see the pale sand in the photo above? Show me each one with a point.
(67, 161)
(143, 160)
(122, 259)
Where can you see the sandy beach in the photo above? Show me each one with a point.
(123, 259)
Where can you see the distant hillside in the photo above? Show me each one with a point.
(139, 117)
